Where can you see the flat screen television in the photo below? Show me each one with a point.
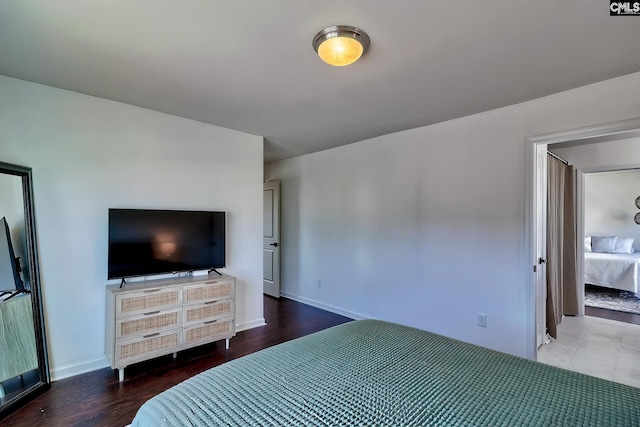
(9, 264)
(144, 241)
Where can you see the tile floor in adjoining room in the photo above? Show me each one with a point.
(599, 347)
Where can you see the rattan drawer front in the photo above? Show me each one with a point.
(209, 331)
(208, 311)
(149, 346)
(150, 299)
(208, 291)
(148, 322)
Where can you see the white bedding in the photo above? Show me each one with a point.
(618, 271)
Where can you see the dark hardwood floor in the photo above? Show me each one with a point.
(612, 315)
(98, 399)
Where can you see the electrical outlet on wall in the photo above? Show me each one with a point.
(482, 320)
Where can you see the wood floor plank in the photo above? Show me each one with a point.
(612, 315)
(98, 399)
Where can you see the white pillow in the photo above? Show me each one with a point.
(603, 244)
(587, 244)
(624, 245)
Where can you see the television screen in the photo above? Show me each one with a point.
(144, 241)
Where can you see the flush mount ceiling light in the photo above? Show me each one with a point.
(340, 45)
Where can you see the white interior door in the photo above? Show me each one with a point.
(271, 241)
(541, 244)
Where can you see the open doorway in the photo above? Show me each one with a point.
(582, 338)
(609, 186)
(612, 244)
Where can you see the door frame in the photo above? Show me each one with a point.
(540, 220)
(530, 193)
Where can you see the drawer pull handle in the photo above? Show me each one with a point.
(210, 322)
(151, 335)
(152, 290)
(152, 312)
(211, 302)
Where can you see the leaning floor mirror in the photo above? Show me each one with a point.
(24, 370)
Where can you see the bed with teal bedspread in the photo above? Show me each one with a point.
(373, 373)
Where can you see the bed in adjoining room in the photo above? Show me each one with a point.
(611, 262)
(375, 373)
(617, 271)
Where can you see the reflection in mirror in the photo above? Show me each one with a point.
(23, 367)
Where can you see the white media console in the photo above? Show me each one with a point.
(159, 317)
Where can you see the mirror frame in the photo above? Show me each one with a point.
(36, 296)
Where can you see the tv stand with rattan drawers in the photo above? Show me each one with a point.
(154, 318)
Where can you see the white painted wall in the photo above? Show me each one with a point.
(610, 204)
(90, 154)
(426, 227)
(603, 156)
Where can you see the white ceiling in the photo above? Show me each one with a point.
(249, 65)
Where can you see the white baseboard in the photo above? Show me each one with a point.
(93, 365)
(326, 307)
(79, 368)
(250, 325)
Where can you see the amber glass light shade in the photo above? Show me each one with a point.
(340, 45)
(340, 51)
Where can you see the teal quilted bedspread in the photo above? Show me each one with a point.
(373, 373)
